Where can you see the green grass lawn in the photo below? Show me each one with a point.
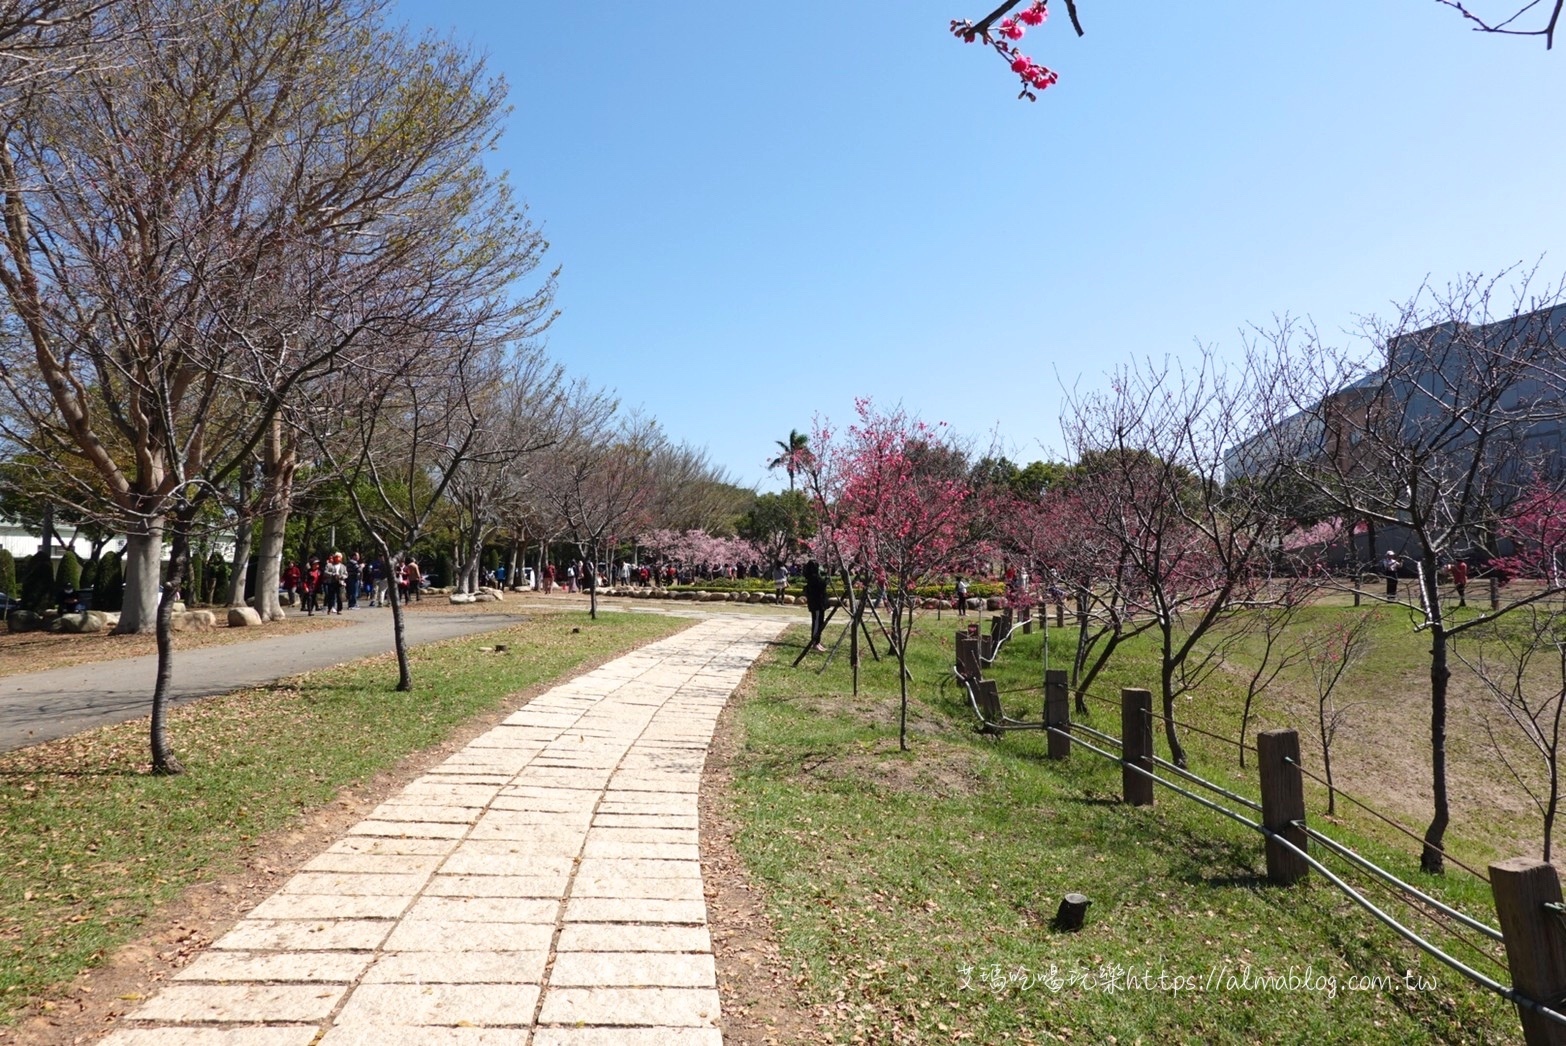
(914, 891)
(91, 842)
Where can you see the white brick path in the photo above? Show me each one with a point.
(542, 886)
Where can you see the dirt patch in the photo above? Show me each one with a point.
(759, 992)
(172, 936)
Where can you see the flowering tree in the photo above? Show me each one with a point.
(1536, 527)
(903, 512)
(1002, 33)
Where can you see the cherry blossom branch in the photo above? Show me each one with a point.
(1007, 28)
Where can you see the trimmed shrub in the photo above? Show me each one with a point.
(38, 582)
(7, 572)
(109, 592)
(68, 573)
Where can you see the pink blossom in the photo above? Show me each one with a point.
(1010, 29)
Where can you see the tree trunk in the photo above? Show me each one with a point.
(1431, 859)
(399, 639)
(269, 565)
(511, 566)
(163, 759)
(143, 563)
(902, 672)
(244, 535)
(1176, 753)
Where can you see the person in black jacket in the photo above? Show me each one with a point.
(816, 600)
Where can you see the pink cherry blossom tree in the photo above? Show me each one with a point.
(903, 511)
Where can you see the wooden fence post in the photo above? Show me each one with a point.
(1025, 615)
(1535, 940)
(1283, 802)
(1356, 588)
(1136, 746)
(968, 656)
(1495, 593)
(1060, 613)
(1057, 713)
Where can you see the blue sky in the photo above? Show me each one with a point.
(763, 211)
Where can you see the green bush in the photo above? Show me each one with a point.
(217, 572)
(68, 573)
(89, 576)
(109, 591)
(7, 572)
(38, 582)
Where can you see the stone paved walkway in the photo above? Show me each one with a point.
(542, 886)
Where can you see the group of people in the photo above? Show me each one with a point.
(339, 583)
(1392, 566)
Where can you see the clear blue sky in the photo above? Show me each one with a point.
(765, 210)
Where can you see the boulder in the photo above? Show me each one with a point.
(86, 622)
(111, 618)
(768, 597)
(23, 621)
(993, 603)
(180, 607)
(462, 597)
(193, 620)
(242, 617)
(483, 595)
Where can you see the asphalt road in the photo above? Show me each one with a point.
(42, 706)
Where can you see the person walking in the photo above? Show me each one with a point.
(291, 578)
(1460, 581)
(334, 576)
(310, 586)
(1390, 565)
(780, 580)
(355, 579)
(816, 601)
(549, 578)
(962, 597)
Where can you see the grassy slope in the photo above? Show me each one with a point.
(915, 890)
(91, 842)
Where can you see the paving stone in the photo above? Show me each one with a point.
(551, 886)
(432, 936)
(349, 885)
(465, 862)
(241, 1003)
(617, 910)
(612, 937)
(318, 935)
(644, 835)
(375, 864)
(545, 840)
(313, 967)
(470, 967)
(406, 1035)
(627, 887)
(410, 829)
(329, 906)
(608, 848)
(485, 909)
(632, 868)
(297, 1035)
(669, 1007)
(440, 1004)
(365, 844)
(644, 821)
(633, 969)
(627, 1037)
(444, 813)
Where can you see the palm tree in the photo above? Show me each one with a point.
(796, 452)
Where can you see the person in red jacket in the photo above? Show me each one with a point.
(310, 585)
(291, 578)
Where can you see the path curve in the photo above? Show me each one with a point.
(542, 886)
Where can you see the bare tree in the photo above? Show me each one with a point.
(1191, 543)
(598, 482)
(1504, 663)
(1456, 410)
(1331, 652)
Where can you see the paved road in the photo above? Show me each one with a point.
(41, 706)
